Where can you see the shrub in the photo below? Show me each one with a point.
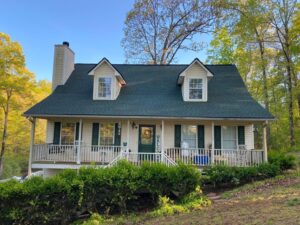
(225, 176)
(120, 188)
(282, 159)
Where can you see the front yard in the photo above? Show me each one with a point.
(273, 201)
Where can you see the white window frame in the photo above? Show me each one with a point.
(236, 135)
(202, 89)
(111, 88)
(196, 139)
(61, 127)
(99, 138)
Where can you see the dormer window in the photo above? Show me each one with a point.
(195, 89)
(104, 87)
(108, 81)
(194, 82)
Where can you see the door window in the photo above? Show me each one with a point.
(146, 135)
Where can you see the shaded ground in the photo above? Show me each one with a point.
(275, 201)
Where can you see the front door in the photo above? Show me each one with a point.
(147, 138)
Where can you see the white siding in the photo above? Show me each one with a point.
(169, 130)
(87, 127)
(49, 131)
(249, 136)
(195, 71)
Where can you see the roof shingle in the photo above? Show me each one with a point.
(152, 91)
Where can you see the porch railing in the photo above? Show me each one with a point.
(69, 153)
(206, 157)
(110, 155)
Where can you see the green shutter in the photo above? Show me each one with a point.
(117, 134)
(241, 135)
(177, 136)
(217, 132)
(77, 132)
(56, 135)
(95, 134)
(200, 132)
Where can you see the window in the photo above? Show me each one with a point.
(229, 137)
(107, 133)
(104, 87)
(195, 88)
(68, 133)
(189, 136)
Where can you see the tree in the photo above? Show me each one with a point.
(15, 80)
(282, 16)
(222, 48)
(156, 30)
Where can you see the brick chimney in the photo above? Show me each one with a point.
(63, 64)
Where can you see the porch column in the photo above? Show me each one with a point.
(32, 134)
(265, 146)
(79, 142)
(128, 135)
(162, 141)
(212, 143)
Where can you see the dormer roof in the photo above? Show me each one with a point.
(117, 73)
(195, 61)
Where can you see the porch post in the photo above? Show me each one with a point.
(128, 135)
(265, 146)
(162, 141)
(212, 143)
(32, 134)
(79, 142)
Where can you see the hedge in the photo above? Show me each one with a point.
(225, 176)
(60, 199)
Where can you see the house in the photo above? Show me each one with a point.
(100, 113)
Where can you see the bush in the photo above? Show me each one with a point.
(124, 187)
(282, 159)
(225, 176)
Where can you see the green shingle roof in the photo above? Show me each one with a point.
(152, 91)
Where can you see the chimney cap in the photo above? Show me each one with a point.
(66, 43)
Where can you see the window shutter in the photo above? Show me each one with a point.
(77, 132)
(177, 137)
(218, 137)
(95, 134)
(241, 135)
(117, 134)
(56, 135)
(200, 132)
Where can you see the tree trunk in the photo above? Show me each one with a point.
(265, 85)
(290, 101)
(4, 136)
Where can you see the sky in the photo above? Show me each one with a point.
(94, 29)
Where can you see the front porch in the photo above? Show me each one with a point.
(72, 143)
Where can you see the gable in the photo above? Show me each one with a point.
(104, 69)
(194, 69)
(104, 66)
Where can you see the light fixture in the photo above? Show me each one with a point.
(133, 125)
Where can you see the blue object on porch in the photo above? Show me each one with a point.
(201, 159)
